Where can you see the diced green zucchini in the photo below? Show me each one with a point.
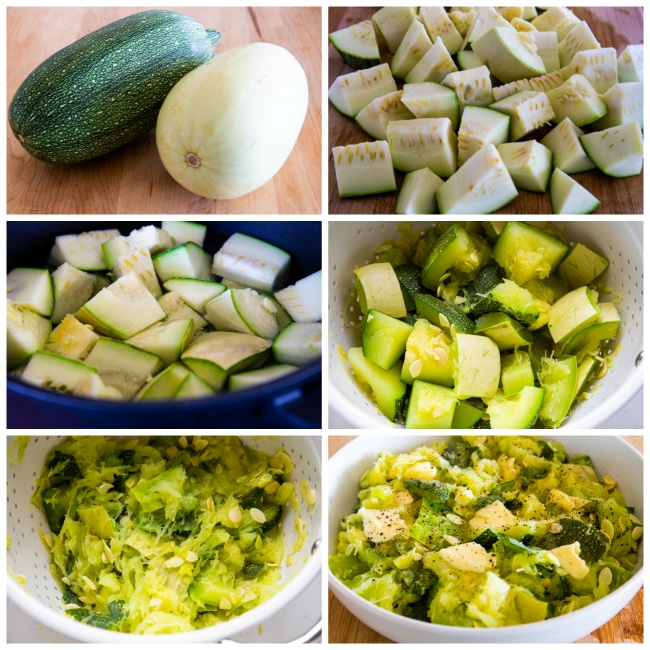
(442, 314)
(434, 66)
(477, 292)
(411, 49)
(617, 151)
(417, 195)
(192, 387)
(186, 260)
(410, 279)
(429, 99)
(166, 339)
(587, 341)
(568, 196)
(184, 231)
(365, 168)
(378, 288)
(423, 142)
(31, 288)
(244, 310)
(529, 164)
(526, 252)
(114, 248)
(582, 266)
(473, 86)
(260, 376)
(510, 55)
(479, 126)
(72, 288)
(196, 293)
(529, 110)
(516, 372)
(547, 81)
(572, 313)
(357, 44)
(598, 66)
(466, 415)
(452, 248)
(213, 356)
(439, 25)
(577, 39)
(506, 332)
(624, 104)
(384, 338)
(349, 93)
(558, 378)
(385, 386)
(55, 372)
(123, 366)
(428, 355)
(577, 100)
(481, 186)
(122, 309)
(392, 23)
(509, 297)
(27, 332)
(252, 262)
(165, 384)
(478, 366)
(430, 406)
(298, 344)
(630, 64)
(517, 411)
(568, 153)
(375, 116)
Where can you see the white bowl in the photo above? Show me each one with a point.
(610, 454)
(352, 244)
(39, 595)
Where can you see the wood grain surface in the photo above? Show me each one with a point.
(132, 179)
(613, 27)
(344, 627)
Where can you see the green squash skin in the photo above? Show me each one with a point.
(106, 89)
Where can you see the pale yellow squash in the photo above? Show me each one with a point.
(227, 127)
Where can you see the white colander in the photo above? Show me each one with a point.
(38, 594)
(353, 243)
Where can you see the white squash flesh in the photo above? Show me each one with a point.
(228, 126)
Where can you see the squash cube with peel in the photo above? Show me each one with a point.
(478, 366)
(570, 197)
(528, 110)
(414, 45)
(349, 93)
(435, 65)
(365, 168)
(423, 142)
(617, 151)
(529, 164)
(568, 154)
(473, 87)
(375, 116)
(481, 186)
(577, 100)
(439, 25)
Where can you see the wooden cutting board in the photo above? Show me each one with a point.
(613, 27)
(344, 627)
(132, 179)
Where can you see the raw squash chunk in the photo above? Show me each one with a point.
(349, 93)
(393, 23)
(375, 116)
(357, 44)
(529, 163)
(418, 193)
(429, 99)
(598, 66)
(577, 100)
(528, 110)
(482, 185)
(473, 87)
(423, 142)
(568, 196)
(624, 104)
(365, 168)
(617, 151)
(479, 126)
(568, 153)
(414, 45)
(439, 25)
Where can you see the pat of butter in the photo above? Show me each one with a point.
(570, 560)
(382, 525)
(494, 515)
(468, 557)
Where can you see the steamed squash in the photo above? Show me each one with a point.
(228, 127)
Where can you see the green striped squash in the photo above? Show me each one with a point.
(106, 89)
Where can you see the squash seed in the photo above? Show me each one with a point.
(174, 562)
(224, 603)
(234, 514)
(605, 577)
(637, 532)
(257, 515)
